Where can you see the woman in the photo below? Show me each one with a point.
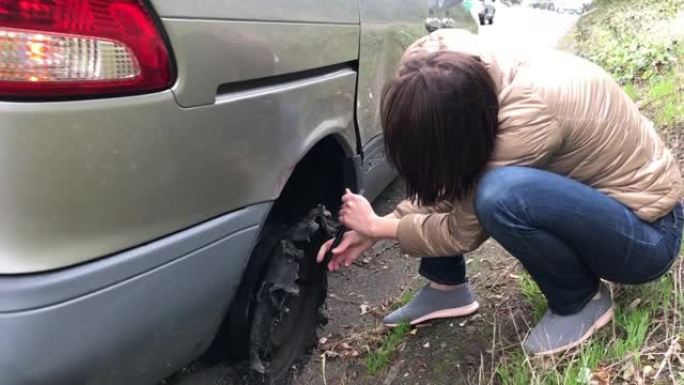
(544, 153)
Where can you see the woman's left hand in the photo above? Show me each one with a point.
(358, 215)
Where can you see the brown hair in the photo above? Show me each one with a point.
(440, 116)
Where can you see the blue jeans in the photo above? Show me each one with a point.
(567, 235)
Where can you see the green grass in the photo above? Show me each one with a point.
(628, 38)
(623, 36)
(662, 96)
(533, 295)
(515, 371)
(634, 325)
(522, 370)
(403, 300)
(637, 309)
(632, 91)
(379, 359)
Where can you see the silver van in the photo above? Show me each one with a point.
(167, 169)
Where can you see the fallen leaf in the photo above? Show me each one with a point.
(634, 304)
(413, 332)
(600, 377)
(426, 345)
(628, 372)
(379, 330)
(647, 370)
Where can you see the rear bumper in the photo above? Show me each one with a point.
(132, 318)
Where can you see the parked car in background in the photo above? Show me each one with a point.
(168, 172)
(575, 7)
(548, 5)
(486, 10)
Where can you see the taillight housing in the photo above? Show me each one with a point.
(80, 48)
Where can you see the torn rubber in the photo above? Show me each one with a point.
(292, 269)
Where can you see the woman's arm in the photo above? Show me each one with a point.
(386, 227)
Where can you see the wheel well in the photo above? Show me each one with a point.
(319, 178)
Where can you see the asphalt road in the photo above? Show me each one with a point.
(517, 26)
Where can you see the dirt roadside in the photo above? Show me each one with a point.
(454, 351)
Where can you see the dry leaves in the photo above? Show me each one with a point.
(600, 377)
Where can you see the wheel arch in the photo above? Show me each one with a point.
(319, 177)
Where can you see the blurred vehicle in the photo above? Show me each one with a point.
(548, 5)
(570, 7)
(486, 9)
(164, 169)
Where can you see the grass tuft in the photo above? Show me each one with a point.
(379, 359)
(533, 295)
(645, 316)
(403, 299)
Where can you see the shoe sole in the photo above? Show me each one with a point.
(445, 313)
(601, 322)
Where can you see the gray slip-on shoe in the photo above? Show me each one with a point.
(430, 303)
(557, 333)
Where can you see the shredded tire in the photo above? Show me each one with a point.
(290, 302)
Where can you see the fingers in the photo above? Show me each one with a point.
(350, 257)
(350, 196)
(323, 250)
(349, 249)
(335, 263)
(346, 242)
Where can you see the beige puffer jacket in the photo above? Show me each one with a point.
(559, 113)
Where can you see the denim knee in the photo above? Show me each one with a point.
(500, 190)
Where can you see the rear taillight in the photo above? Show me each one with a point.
(67, 48)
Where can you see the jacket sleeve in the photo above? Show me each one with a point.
(528, 135)
(424, 231)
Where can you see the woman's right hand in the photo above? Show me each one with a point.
(351, 247)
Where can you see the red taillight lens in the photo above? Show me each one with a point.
(58, 48)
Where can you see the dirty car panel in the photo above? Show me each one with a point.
(207, 52)
(310, 11)
(83, 180)
(128, 221)
(139, 327)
